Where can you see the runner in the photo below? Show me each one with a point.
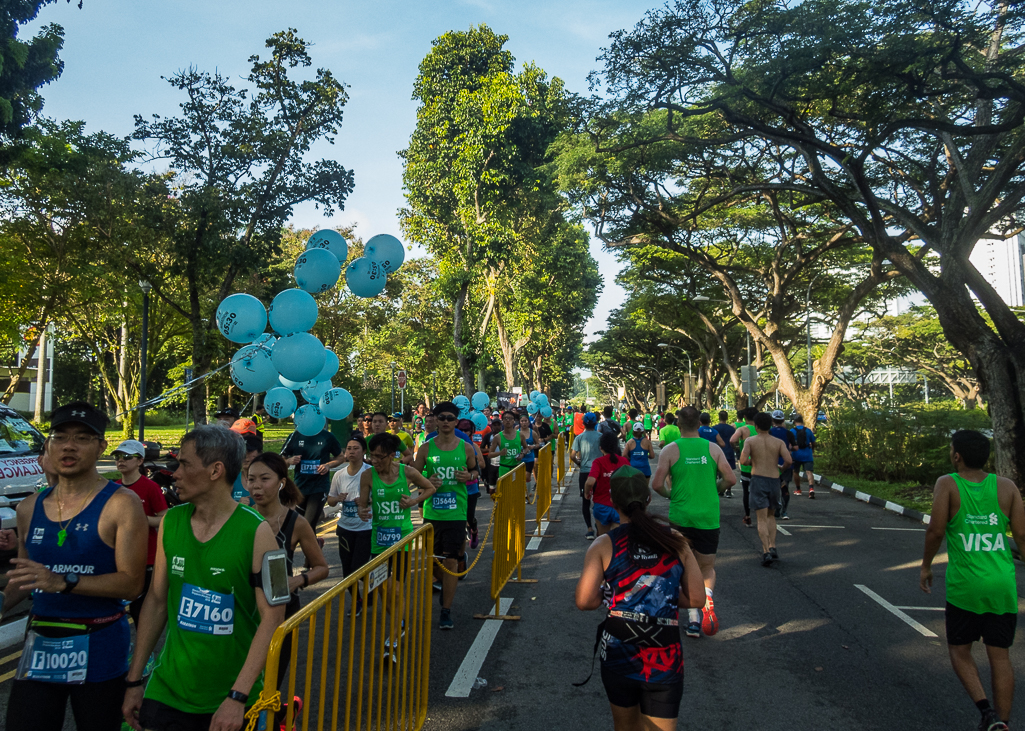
(643, 572)
(366, 426)
(533, 444)
(275, 497)
(973, 509)
(81, 556)
(648, 424)
(227, 416)
(726, 431)
(385, 498)
(705, 431)
(379, 425)
(314, 458)
(511, 444)
(253, 447)
(804, 455)
(639, 449)
(352, 531)
(691, 465)
(628, 427)
(669, 433)
(128, 457)
(785, 473)
(609, 424)
(449, 463)
(586, 450)
(763, 452)
(744, 424)
(596, 488)
(472, 489)
(396, 427)
(419, 418)
(206, 553)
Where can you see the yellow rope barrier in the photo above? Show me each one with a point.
(271, 704)
(480, 551)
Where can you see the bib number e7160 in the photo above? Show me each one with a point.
(205, 611)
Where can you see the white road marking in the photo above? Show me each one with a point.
(925, 609)
(920, 530)
(474, 660)
(534, 543)
(895, 611)
(793, 525)
(782, 530)
(557, 496)
(13, 633)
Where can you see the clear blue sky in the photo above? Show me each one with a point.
(116, 52)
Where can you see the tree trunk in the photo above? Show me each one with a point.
(508, 351)
(457, 337)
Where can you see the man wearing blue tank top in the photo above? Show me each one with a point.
(82, 556)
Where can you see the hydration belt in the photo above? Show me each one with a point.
(637, 629)
(70, 626)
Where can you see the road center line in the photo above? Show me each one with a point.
(895, 611)
(474, 660)
(782, 530)
(925, 609)
(791, 525)
(922, 530)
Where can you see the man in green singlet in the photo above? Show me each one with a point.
(628, 427)
(511, 444)
(691, 465)
(745, 429)
(670, 432)
(211, 667)
(449, 463)
(973, 510)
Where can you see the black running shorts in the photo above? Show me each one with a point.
(964, 627)
(704, 541)
(449, 537)
(655, 700)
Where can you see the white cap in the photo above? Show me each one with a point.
(638, 427)
(777, 415)
(132, 446)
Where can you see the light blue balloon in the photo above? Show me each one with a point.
(291, 385)
(313, 390)
(461, 401)
(309, 421)
(280, 402)
(332, 241)
(252, 369)
(265, 341)
(480, 400)
(317, 270)
(531, 408)
(541, 400)
(479, 420)
(365, 277)
(534, 395)
(299, 357)
(336, 404)
(241, 318)
(293, 311)
(330, 367)
(546, 412)
(386, 250)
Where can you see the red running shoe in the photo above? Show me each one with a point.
(797, 492)
(297, 706)
(747, 520)
(709, 622)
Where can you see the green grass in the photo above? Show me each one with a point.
(910, 494)
(170, 436)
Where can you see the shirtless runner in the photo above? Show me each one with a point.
(763, 452)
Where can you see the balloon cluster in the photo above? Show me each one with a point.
(291, 359)
(539, 405)
(472, 408)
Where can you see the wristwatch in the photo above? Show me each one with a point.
(71, 580)
(237, 695)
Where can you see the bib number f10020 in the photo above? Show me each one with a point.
(55, 659)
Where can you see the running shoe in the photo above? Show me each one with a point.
(297, 706)
(774, 553)
(446, 619)
(784, 517)
(436, 586)
(811, 494)
(589, 535)
(709, 622)
(766, 559)
(320, 541)
(796, 492)
(747, 520)
(693, 629)
(473, 538)
(991, 722)
(728, 494)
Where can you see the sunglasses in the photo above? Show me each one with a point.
(122, 455)
(447, 417)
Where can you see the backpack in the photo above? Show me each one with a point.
(801, 435)
(609, 427)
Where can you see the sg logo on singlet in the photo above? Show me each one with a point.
(389, 507)
(447, 474)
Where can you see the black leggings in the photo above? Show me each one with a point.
(353, 549)
(41, 706)
(745, 482)
(313, 508)
(471, 510)
(586, 503)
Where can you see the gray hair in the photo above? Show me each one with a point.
(215, 443)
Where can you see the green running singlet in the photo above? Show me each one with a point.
(212, 615)
(647, 422)
(449, 502)
(694, 501)
(744, 469)
(508, 463)
(980, 572)
(390, 522)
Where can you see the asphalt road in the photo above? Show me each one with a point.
(800, 645)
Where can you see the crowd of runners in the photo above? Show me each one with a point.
(93, 552)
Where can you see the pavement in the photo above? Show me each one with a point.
(837, 634)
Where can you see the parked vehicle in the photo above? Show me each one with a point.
(20, 474)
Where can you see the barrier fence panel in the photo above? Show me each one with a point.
(560, 461)
(543, 491)
(510, 531)
(344, 667)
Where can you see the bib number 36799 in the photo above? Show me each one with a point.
(206, 611)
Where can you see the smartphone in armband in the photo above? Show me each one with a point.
(274, 577)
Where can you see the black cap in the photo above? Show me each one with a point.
(79, 412)
(627, 485)
(229, 411)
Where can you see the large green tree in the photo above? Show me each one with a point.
(909, 118)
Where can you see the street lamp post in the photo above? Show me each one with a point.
(393, 387)
(146, 287)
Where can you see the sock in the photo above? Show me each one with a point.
(983, 705)
(694, 615)
(708, 597)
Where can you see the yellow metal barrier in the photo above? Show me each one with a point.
(345, 668)
(543, 491)
(560, 460)
(510, 541)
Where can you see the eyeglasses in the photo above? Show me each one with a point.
(81, 438)
(447, 417)
(119, 456)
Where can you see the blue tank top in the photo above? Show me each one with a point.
(639, 458)
(83, 553)
(529, 455)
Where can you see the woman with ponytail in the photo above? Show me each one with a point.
(596, 488)
(643, 571)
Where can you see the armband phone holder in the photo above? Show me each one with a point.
(274, 577)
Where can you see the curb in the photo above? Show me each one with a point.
(873, 500)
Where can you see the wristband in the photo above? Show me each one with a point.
(306, 579)
(135, 683)
(237, 695)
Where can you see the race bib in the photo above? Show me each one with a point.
(444, 501)
(388, 536)
(205, 611)
(308, 466)
(350, 509)
(54, 659)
